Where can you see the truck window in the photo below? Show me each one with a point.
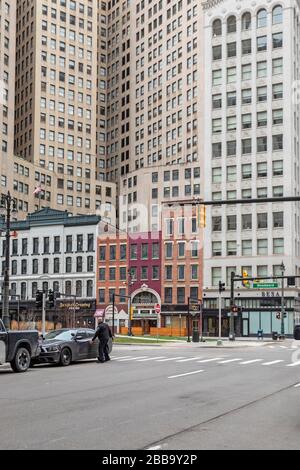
(2, 326)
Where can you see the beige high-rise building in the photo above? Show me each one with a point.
(54, 45)
(7, 81)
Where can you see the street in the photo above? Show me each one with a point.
(166, 397)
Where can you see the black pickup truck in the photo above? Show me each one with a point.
(18, 347)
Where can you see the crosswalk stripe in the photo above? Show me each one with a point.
(251, 361)
(188, 373)
(210, 360)
(297, 385)
(131, 358)
(189, 359)
(272, 362)
(170, 359)
(151, 358)
(119, 357)
(230, 360)
(293, 364)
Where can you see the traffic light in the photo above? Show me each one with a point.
(245, 282)
(221, 286)
(39, 299)
(201, 215)
(235, 309)
(51, 299)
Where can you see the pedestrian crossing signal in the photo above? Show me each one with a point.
(201, 216)
(278, 315)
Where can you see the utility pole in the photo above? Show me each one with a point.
(221, 289)
(231, 318)
(113, 314)
(7, 206)
(282, 267)
(44, 314)
(188, 322)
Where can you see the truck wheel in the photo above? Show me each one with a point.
(65, 357)
(21, 361)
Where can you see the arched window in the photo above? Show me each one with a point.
(262, 18)
(217, 28)
(277, 14)
(89, 288)
(246, 21)
(231, 24)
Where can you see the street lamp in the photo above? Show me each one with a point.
(282, 268)
(7, 208)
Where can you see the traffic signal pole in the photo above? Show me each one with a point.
(44, 315)
(231, 318)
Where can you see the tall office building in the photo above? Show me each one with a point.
(252, 144)
(54, 104)
(7, 80)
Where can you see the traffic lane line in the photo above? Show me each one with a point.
(251, 361)
(131, 358)
(272, 362)
(187, 373)
(189, 359)
(170, 359)
(230, 360)
(210, 360)
(297, 385)
(293, 364)
(151, 359)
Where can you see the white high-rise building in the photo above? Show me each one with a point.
(252, 140)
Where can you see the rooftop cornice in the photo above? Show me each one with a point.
(210, 4)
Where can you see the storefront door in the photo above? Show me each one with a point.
(245, 331)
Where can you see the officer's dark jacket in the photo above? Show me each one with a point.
(103, 332)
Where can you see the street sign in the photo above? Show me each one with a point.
(157, 308)
(265, 285)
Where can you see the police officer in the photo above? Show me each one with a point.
(103, 333)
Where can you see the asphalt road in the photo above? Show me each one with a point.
(164, 397)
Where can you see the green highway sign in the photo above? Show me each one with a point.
(265, 285)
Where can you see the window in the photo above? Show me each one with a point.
(231, 74)
(217, 175)
(277, 65)
(168, 295)
(246, 171)
(261, 144)
(277, 168)
(246, 146)
(217, 52)
(261, 18)
(217, 77)
(79, 243)
(217, 101)
(246, 96)
(261, 43)
(277, 40)
(231, 98)
(231, 49)
(216, 276)
(112, 252)
(262, 170)
(262, 220)
(217, 126)
(262, 69)
(262, 119)
(79, 264)
(155, 251)
(246, 121)
(261, 94)
(169, 250)
(246, 72)
(231, 123)
(217, 248)
(247, 221)
(217, 28)
(231, 173)
(262, 246)
(277, 142)
(277, 219)
(217, 224)
(246, 21)
(278, 246)
(231, 24)
(231, 148)
(277, 91)
(181, 272)
(277, 191)
(277, 116)
(277, 14)
(181, 249)
(231, 222)
(246, 247)
(133, 252)
(246, 46)
(102, 253)
(180, 295)
(217, 150)
(262, 192)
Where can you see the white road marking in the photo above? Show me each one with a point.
(230, 360)
(283, 347)
(132, 358)
(297, 385)
(119, 357)
(150, 359)
(272, 362)
(189, 359)
(210, 360)
(251, 361)
(271, 347)
(170, 359)
(293, 364)
(154, 448)
(183, 375)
